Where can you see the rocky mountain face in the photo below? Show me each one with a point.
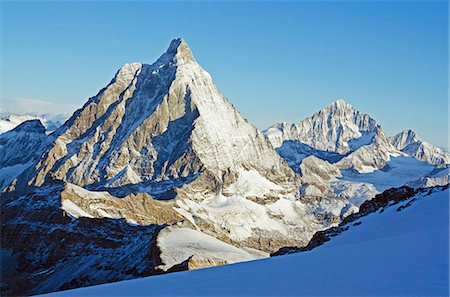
(411, 144)
(44, 249)
(159, 172)
(158, 146)
(156, 127)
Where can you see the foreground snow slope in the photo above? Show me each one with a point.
(390, 253)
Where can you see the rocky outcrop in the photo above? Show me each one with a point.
(316, 175)
(139, 208)
(371, 157)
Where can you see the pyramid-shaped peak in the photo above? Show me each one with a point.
(30, 126)
(405, 138)
(408, 132)
(410, 135)
(179, 49)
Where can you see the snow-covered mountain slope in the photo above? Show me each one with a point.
(165, 130)
(338, 133)
(20, 148)
(359, 187)
(50, 121)
(411, 144)
(387, 253)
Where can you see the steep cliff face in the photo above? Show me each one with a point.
(44, 248)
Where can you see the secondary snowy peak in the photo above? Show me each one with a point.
(411, 144)
(10, 121)
(337, 128)
(156, 127)
(31, 126)
(338, 134)
(404, 138)
(19, 148)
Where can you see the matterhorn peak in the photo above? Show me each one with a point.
(179, 49)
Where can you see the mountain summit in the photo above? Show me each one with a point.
(338, 132)
(411, 144)
(336, 128)
(156, 128)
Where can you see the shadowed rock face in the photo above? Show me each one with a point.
(135, 208)
(43, 249)
(22, 144)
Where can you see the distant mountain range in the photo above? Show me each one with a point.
(159, 172)
(9, 121)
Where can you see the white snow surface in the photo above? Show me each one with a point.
(73, 209)
(359, 187)
(252, 183)
(178, 244)
(392, 253)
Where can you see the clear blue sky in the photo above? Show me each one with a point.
(275, 61)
